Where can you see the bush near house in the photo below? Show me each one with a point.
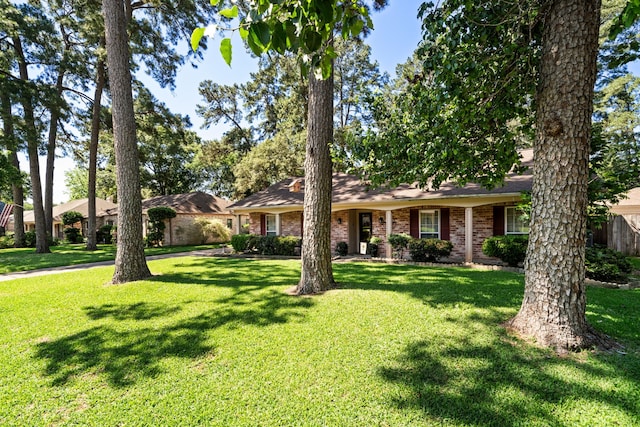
(510, 249)
(72, 234)
(606, 264)
(342, 248)
(103, 235)
(212, 229)
(30, 239)
(239, 242)
(399, 243)
(7, 241)
(156, 224)
(265, 245)
(429, 250)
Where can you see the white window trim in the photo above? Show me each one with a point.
(437, 211)
(277, 225)
(506, 223)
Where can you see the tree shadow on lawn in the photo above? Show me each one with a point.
(128, 345)
(506, 383)
(459, 377)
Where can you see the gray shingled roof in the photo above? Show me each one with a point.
(103, 207)
(350, 189)
(189, 203)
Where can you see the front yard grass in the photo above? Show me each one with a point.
(218, 342)
(24, 259)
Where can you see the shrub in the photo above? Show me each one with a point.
(30, 239)
(6, 241)
(374, 246)
(274, 245)
(399, 243)
(72, 235)
(213, 229)
(606, 264)
(103, 235)
(239, 242)
(265, 245)
(342, 248)
(422, 250)
(510, 249)
(156, 224)
(71, 217)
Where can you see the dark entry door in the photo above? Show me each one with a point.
(365, 230)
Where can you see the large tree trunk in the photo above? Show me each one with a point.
(51, 152)
(317, 275)
(93, 154)
(130, 261)
(553, 308)
(16, 185)
(42, 244)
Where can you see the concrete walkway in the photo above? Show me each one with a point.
(66, 268)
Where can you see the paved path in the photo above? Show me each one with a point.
(67, 268)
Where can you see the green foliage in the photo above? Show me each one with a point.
(157, 216)
(73, 235)
(466, 103)
(399, 243)
(30, 239)
(239, 242)
(606, 264)
(103, 234)
(342, 248)
(6, 241)
(213, 230)
(301, 27)
(71, 217)
(429, 250)
(160, 213)
(273, 245)
(511, 249)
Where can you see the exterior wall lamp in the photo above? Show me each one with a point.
(339, 220)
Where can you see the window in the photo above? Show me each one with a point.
(229, 223)
(272, 225)
(430, 224)
(515, 223)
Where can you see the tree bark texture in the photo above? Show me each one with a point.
(42, 243)
(16, 187)
(317, 274)
(130, 261)
(553, 308)
(93, 154)
(51, 151)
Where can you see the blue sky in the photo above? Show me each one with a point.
(396, 35)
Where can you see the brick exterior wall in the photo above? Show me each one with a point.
(182, 229)
(482, 228)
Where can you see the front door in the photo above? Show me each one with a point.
(365, 231)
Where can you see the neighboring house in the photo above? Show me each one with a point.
(623, 229)
(464, 215)
(189, 207)
(103, 209)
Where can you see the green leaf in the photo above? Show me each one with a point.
(243, 33)
(357, 27)
(196, 36)
(312, 40)
(261, 34)
(225, 50)
(230, 13)
(214, 3)
(279, 39)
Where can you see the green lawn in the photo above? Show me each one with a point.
(23, 259)
(218, 342)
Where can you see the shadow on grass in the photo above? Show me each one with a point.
(131, 340)
(506, 384)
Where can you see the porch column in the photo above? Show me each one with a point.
(468, 235)
(238, 225)
(389, 231)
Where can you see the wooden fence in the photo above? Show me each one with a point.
(621, 233)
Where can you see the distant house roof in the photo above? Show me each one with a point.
(350, 190)
(631, 204)
(103, 207)
(189, 203)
